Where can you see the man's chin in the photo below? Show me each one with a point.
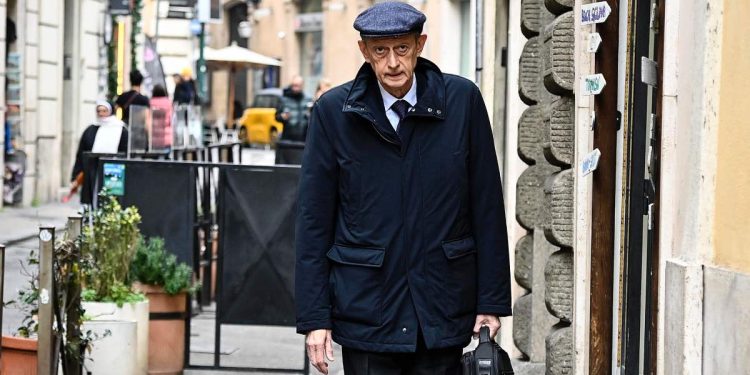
(394, 84)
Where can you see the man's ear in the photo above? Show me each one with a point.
(363, 49)
(420, 42)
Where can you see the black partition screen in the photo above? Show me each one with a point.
(257, 212)
(165, 196)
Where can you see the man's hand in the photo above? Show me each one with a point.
(487, 320)
(320, 348)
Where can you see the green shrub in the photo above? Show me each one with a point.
(110, 241)
(153, 265)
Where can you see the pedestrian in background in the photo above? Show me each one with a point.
(106, 135)
(132, 97)
(293, 111)
(324, 84)
(161, 124)
(402, 248)
(184, 90)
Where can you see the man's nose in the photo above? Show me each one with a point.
(392, 60)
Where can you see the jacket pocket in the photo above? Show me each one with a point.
(459, 277)
(458, 248)
(356, 283)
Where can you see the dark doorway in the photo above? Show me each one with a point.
(237, 14)
(641, 259)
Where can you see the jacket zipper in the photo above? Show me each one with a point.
(382, 136)
(375, 126)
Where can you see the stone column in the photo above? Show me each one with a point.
(544, 258)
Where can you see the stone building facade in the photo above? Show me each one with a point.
(678, 278)
(543, 266)
(3, 42)
(176, 43)
(58, 81)
(575, 308)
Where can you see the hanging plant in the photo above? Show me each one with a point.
(135, 18)
(112, 63)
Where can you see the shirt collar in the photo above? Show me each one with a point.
(410, 97)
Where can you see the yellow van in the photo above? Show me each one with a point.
(258, 122)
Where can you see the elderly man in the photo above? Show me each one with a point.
(402, 249)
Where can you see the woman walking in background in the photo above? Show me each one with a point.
(107, 135)
(161, 113)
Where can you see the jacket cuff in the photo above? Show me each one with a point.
(312, 325)
(497, 310)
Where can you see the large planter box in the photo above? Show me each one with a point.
(19, 356)
(136, 312)
(166, 343)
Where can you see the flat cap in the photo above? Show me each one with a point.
(391, 18)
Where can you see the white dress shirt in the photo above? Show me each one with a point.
(388, 100)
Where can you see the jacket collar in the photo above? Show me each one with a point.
(365, 99)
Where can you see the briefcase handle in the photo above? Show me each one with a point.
(484, 334)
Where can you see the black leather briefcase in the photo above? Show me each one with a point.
(487, 359)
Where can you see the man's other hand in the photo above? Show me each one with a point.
(487, 320)
(320, 348)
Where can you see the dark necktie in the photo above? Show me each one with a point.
(400, 107)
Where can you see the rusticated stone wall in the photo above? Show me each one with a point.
(544, 257)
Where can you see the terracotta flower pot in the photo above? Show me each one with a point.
(166, 343)
(18, 356)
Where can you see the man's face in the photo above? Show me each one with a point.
(297, 84)
(394, 60)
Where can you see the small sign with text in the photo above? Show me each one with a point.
(595, 13)
(593, 84)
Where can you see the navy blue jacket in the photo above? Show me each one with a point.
(400, 234)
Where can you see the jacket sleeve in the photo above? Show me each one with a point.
(78, 165)
(280, 109)
(122, 147)
(84, 145)
(316, 215)
(488, 215)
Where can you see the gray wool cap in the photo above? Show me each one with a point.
(391, 18)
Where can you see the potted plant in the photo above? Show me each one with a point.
(167, 283)
(110, 240)
(19, 351)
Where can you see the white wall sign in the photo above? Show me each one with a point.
(209, 11)
(591, 162)
(593, 43)
(593, 84)
(308, 22)
(595, 12)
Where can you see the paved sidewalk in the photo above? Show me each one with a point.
(18, 224)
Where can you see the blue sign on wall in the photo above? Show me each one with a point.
(114, 178)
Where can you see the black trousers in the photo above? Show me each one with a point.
(422, 362)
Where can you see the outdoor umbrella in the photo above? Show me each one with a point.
(235, 57)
